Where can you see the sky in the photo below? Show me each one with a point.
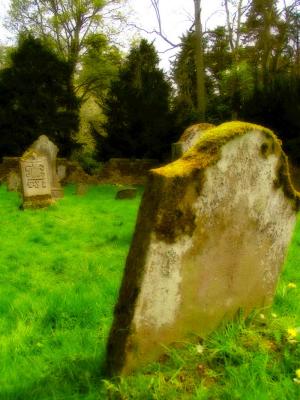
(176, 18)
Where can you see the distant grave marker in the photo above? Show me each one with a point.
(210, 239)
(188, 139)
(81, 189)
(35, 180)
(61, 172)
(13, 182)
(47, 148)
(126, 193)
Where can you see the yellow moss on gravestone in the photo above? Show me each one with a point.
(206, 152)
(29, 153)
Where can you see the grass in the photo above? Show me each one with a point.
(60, 273)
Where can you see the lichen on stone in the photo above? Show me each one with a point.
(30, 153)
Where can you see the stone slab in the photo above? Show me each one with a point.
(35, 176)
(126, 193)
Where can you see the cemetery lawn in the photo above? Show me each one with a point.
(60, 271)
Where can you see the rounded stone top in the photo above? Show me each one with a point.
(207, 151)
(193, 130)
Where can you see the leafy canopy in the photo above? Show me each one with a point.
(137, 108)
(36, 97)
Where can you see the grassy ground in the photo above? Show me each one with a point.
(60, 270)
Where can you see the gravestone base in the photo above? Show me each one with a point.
(37, 202)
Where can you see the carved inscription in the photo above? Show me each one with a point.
(35, 177)
(35, 174)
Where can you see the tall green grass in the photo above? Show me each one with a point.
(60, 270)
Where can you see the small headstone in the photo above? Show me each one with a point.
(61, 172)
(188, 139)
(14, 182)
(35, 180)
(126, 193)
(81, 189)
(210, 239)
(47, 148)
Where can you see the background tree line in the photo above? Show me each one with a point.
(251, 71)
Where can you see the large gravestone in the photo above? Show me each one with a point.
(35, 175)
(188, 139)
(210, 239)
(44, 146)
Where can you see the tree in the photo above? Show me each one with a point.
(184, 75)
(137, 108)
(198, 52)
(264, 29)
(36, 97)
(277, 106)
(199, 62)
(67, 23)
(99, 65)
(235, 12)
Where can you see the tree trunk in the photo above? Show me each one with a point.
(199, 61)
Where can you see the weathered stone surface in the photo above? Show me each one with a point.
(189, 137)
(126, 193)
(61, 172)
(14, 182)
(47, 148)
(35, 180)
(210, 239)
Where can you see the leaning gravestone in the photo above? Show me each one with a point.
(44, 146)
(189, 137)
(210, 239)
(35, 180)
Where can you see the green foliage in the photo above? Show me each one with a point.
(4, 56)
(99, 65)
(137, 108)
(252, 71)
(237, 86)
(36, 97)
(88, 162)
(184, 75)
(66, 23)
(278, 107)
